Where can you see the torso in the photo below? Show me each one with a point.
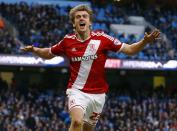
(87, 60)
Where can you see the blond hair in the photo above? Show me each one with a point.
(80, 8)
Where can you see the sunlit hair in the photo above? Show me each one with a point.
(80, 8)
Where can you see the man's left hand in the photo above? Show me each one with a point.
(154, 35)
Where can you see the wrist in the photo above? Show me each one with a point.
(144, 41)
(34, 49)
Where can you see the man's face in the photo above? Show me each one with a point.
(82, 21)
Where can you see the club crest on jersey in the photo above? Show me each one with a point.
(92, 48)
(84, 58)
(117, 42)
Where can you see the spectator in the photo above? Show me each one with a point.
(2, 24)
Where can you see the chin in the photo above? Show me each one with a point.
(82, 31)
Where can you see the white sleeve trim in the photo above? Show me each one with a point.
(50, 51)
(121, 48)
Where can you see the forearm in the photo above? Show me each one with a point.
(138, 46)
(42, 52)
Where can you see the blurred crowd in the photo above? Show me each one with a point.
(125, 113)
(45, 25)
(8, 43)
(40, 25)
(32, 108)
(24, 108)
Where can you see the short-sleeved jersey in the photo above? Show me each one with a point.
(87, 60)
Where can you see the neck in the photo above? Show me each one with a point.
(83, 35)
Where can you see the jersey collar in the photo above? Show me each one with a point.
(91, 34)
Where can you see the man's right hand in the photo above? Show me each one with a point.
(29, 48)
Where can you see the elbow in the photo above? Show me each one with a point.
(48, 56)
(131, 53)
(129, 50)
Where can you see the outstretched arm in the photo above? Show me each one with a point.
(41, 52)
(138, 46)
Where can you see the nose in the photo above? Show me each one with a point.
(82, 18)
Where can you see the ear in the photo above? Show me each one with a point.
(74, 25)
(90, 22)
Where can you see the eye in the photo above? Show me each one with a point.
(78, 16)
(85, 16)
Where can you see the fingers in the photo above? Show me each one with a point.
(156, 33)
(23, 48)
(146, 34)
(27, 48)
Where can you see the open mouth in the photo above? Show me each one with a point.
(82, 24)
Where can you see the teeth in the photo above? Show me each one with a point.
(82, 22)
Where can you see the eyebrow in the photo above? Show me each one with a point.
(81, 14)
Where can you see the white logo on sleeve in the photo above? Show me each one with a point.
(73, 49)
(117, 42)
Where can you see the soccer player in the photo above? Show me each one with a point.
(86, 50)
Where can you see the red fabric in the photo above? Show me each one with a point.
(87, 71)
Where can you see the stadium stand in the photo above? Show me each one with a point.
(37, 28)
(27, 106)
(9, 44)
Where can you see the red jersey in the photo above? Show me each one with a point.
(87, 60)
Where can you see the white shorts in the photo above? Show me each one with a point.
(91, 104)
